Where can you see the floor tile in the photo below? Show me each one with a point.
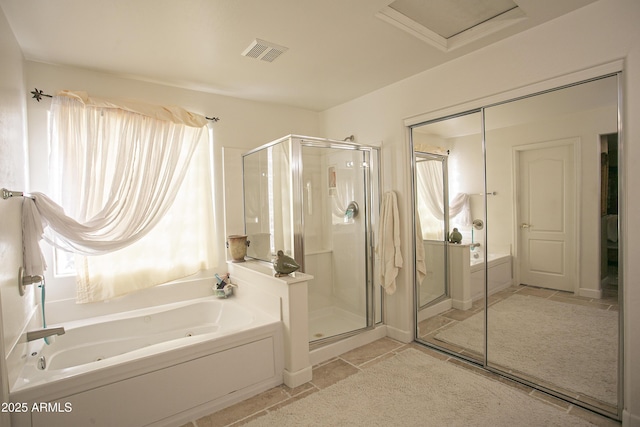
(458, 314)
(244, 409)
(433, 324)
(331, 373)
(537, 292)
(370, 351)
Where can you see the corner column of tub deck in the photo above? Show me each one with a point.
(460, 276)
(283, 297)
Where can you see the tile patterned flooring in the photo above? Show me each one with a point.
(350, 363)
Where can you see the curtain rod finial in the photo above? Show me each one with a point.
(38, 94)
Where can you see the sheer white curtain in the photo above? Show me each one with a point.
(430, 182)
(137, 209)
(281, 197)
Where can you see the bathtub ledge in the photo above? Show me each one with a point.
(287, 299)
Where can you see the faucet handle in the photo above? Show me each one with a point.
(352, 210)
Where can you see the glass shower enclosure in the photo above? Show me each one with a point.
(317, 200)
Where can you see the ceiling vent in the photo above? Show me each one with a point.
(264, 51)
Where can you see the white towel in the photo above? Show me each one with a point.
(388, 247)
(32, 229)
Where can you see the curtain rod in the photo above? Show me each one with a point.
(38, 94)
(9, 193)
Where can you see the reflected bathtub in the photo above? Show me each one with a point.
(499, 273)
(187, 359)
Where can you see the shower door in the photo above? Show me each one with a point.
(317, 201)
(432, 219)
(337, 247)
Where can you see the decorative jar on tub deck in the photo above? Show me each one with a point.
(237, 245)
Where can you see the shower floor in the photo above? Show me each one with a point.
(331, 321)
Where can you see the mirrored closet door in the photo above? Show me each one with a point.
(449, 276)
(533, 287)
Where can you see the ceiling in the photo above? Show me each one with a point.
(334, 50)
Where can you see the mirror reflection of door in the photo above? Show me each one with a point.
(552, 242)
(545, 188)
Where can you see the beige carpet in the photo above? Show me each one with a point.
(569, 345)
(414, 389)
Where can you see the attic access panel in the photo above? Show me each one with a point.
(448, 24)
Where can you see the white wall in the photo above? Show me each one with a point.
(14, 309)
(600, 33)
(243, 125)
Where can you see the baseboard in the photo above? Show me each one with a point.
(590, 293)
(399, 335)
(461, 305)
(629, 419)
(434, 310)
(295, 379)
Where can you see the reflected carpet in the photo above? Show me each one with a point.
(415, 389)
(572, 346)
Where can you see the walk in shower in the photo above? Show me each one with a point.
(317, 200)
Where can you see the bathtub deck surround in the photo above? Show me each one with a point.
(467, 275)
(466, 279)
(287, 298)
(188, 354)
(500, 274)
(459, 277)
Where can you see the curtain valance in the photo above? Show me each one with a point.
(171, 113)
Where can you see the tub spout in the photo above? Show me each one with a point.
(42, 333)
(474, 245)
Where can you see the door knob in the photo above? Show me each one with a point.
(525, 225)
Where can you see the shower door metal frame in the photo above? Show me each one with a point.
(445, 203)
(298, 217)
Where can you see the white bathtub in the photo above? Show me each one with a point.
(161, 365)
(499, 274)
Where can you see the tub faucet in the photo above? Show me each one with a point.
(474, 245)
(42, 333)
